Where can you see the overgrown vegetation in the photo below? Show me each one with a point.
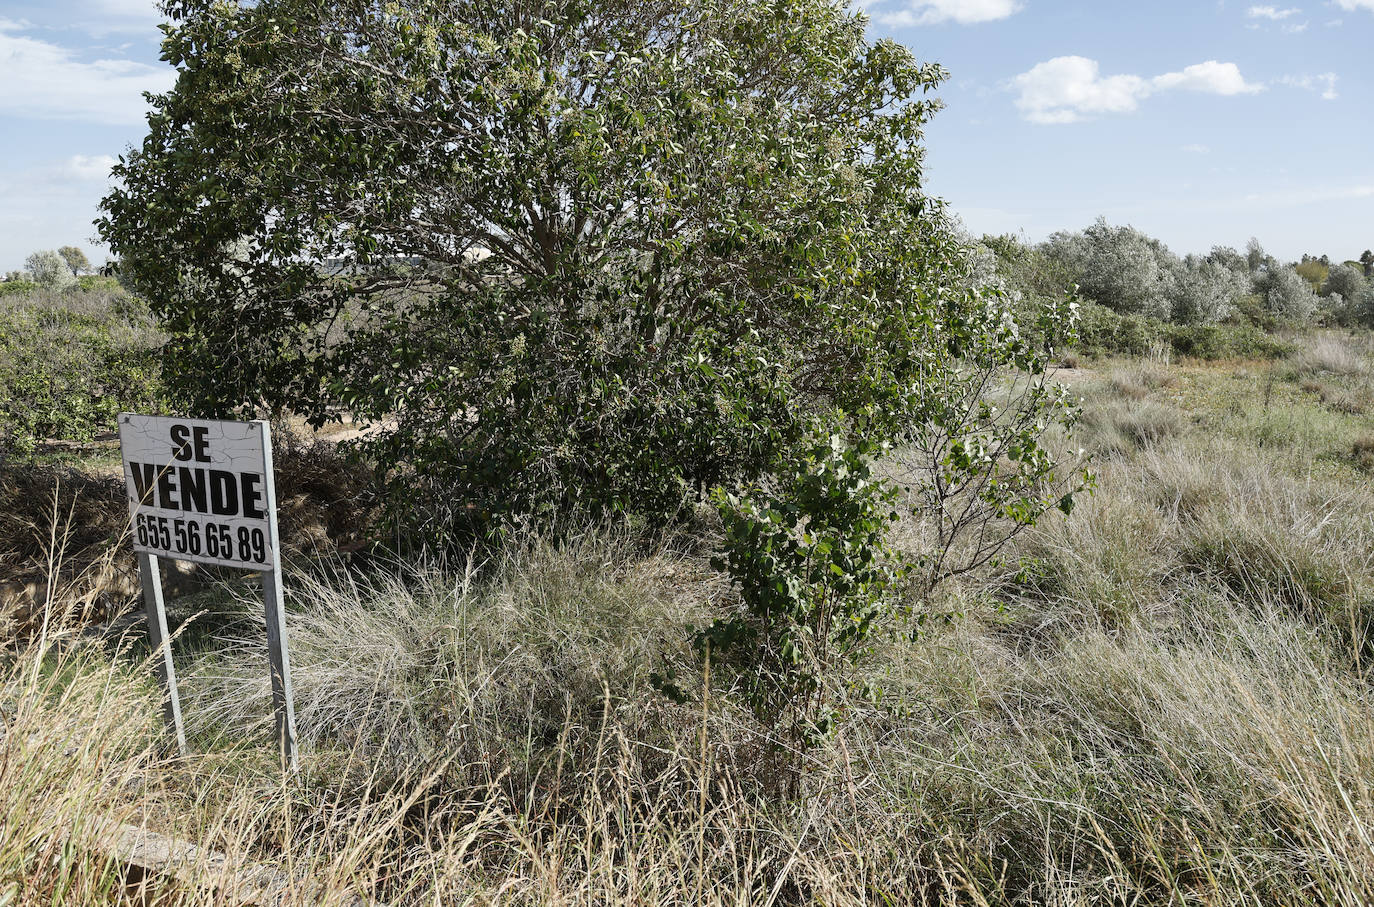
(1204, 306)
(1105, 333)
(70, 360)
(1161, 698)
(737, 549)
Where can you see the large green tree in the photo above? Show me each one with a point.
(567, 255)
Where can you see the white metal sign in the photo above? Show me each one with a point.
(200, 490)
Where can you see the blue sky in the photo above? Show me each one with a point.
(1201, 123)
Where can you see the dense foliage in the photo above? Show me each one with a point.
(811, 562)
(1102, 332)
(48, 269)
(1135, 275)
(1120, 267)
(572, 258)
(1286, 294)
(70, 361)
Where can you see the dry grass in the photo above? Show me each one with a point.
(1138, 380)
(416, 666)
(1363, 452)
(1331, 353)
(1165, 699)
(1222, 760)
(1119, 428)
(1356, 401)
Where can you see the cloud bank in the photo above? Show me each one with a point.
(47, 81)
(1067, 89)
(936, 12)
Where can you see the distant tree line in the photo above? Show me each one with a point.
(1131, 273)
(53, 269)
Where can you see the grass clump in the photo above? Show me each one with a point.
(1363, 453)
(420, 666)
(1140, 379)
(1329, 353)
(1120, 428)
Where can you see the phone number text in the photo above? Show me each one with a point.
(192, 538)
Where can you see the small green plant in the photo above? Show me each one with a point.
(810, 560)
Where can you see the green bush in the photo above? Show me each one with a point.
(810, 561)
(70, 361)
(1103, 332)
(17, 288)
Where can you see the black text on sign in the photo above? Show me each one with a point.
(200, 490)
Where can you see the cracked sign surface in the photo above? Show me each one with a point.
(200, 490)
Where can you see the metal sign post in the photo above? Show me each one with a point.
(202, 490)
(151, 578)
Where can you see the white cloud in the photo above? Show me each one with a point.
(1066, 89)
(1351, 5)
(44, 80)
(1324, 82)
(1279, 15)
(934, 12)
(1210, 77)
(1062, 90)
(1271, 12)
(1197, 149)
(85, 168)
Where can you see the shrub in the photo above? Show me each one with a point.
(48, 270)
(810, 563)
(1287, 296)
(70, 362)
(1205, 290)
(1225, 341)
(1028, 270)
(1345, 281)
(1118, 267)
(729, 240)
(17, 288)
(1103, 332)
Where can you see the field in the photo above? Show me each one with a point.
(1161, 698)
